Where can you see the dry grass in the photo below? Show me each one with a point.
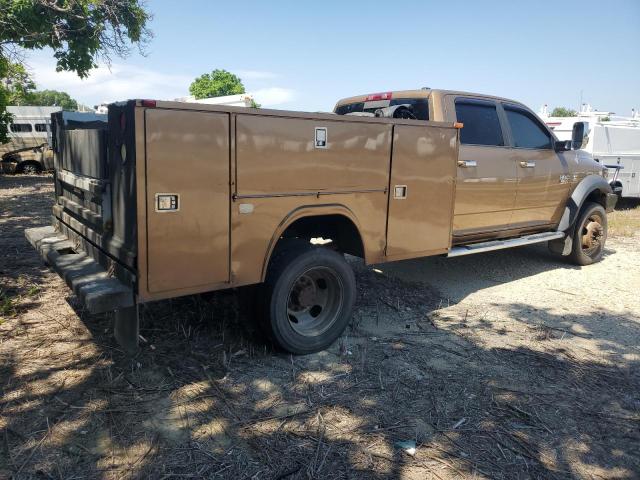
(625, 220)
(206, 397)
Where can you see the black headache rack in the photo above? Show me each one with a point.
(91, 243)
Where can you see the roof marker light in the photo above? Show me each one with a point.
(148, 103)
(379, 96)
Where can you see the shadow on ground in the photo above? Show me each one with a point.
(206, 397)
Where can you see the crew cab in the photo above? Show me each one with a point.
(169, 199)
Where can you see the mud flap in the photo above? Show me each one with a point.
(126, 328)
(561, 246)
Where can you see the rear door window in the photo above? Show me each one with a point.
(419, 106)
(526, 131)
(481, 122)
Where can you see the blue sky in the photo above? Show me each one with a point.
(306, 55)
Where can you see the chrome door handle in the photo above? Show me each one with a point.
(528, 164)
(467, 163)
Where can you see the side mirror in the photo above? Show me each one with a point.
(562, 145)
(578, 135)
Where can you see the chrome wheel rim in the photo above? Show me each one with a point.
(314, 302)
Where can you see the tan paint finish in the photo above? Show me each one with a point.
(499, 199)
(486, 193)
(245, 175)
(278, 155)
(424, 161)
(141, 204)
(254, 235)
(187, 153)
(281, 177)
(541, 194)
(259, 148)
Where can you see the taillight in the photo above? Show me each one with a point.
(379, 96)
(148, 103)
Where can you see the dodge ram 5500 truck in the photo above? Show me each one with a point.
(168, 199)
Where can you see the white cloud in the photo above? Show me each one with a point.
(256, 75)
(118, 82)
(122, 82)
(272, 96)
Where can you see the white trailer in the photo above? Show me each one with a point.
(241, 100)
(610, 140)
(29, 137)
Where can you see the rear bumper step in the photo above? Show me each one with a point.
(500, 244)
(98, 291)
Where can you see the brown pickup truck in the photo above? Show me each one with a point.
(172, 199)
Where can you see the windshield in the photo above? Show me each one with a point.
(419, 106)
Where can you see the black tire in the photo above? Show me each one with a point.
(29, 168)
(309, 295)
(589, 235)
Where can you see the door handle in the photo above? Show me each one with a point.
(528, 164)
(467, 163)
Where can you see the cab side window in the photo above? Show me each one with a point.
(526, 131)
(481, 122)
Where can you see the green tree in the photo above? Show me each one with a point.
(563, 112)
(51, 98)
(216, 84)
(18, 84)
(80, 32)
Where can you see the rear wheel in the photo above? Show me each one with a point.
(310, 292)
(30, 168)
(590, 235)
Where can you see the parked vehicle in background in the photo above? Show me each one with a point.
(171, 199)
(240, 100)
(27, 150)
(610, 139)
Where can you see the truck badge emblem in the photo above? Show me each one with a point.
(321, 137)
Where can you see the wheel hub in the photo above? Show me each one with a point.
(315, 300)
(592, 234)
(303, 294)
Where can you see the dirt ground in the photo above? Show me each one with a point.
(510, 364)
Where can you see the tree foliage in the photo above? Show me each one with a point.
(53, 98)
(5, 117)
(563, 112)
(80, 32)
(216, 84)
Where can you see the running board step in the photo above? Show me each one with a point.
(500, 244)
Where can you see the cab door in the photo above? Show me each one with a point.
(486, 174)
(543, 182)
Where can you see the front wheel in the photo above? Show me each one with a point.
(310, 293)
(590, 235)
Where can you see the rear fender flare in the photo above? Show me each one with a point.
(586, 187)
(307, 211)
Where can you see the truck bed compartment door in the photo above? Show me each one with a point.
(423, 170)
(187, 166)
